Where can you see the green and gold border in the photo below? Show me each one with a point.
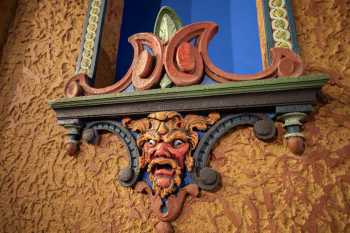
(92, 33)
(276, 27)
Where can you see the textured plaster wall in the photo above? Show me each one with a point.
(265, 188)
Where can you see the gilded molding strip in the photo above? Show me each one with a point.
(276, 27)
(280, 24)
(91, 38)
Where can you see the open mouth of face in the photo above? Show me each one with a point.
(164, 172)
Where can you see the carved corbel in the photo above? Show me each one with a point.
(293, 118)
(166, 141)
(73, 136)
(293, 123)
(175, 162)
(169, 133)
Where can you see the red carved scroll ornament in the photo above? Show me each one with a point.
(186, 59)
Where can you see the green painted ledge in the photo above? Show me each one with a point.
(232, 88)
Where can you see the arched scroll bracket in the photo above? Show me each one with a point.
(127, 176)
(207, 178)
(170, 159)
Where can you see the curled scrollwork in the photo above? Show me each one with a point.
(186, 59)
(207, 178)
(183, 62)
(284, 61)
(145, 74)
(127, 176)
(79, 85)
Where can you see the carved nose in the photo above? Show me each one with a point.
(162, 150)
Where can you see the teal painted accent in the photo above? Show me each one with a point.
(232, 88)
(270, 43)
(268, 30)
(97, 38)
(292, 27)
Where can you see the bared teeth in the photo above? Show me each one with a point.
(165, 175)
(162, 161)
(164, 172)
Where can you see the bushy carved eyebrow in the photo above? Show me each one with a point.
(149, 135)
(176, 134)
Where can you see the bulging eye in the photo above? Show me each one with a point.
(151, 142)
(177, 143)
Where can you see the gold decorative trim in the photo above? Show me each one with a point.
(280, 24)
(89, 40)
(274, 27)
(262, 33)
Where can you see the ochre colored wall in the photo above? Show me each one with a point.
(265, 188)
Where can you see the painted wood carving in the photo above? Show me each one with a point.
(170, 122)
(184, 63)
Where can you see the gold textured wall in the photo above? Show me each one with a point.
(265, 188)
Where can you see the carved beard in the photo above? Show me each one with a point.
(166, 174)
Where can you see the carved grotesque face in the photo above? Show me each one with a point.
(166, 140)
(166, 156)
(166, 152)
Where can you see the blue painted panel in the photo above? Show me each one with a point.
(138, 16)
(245, 37)
(183, 9)
(236, 47)
(220, 48)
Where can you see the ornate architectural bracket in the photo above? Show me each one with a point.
(170, 142)
(169, 133)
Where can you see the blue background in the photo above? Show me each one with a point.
(236, 47)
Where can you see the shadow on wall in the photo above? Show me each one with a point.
(106, 65)
(7, 12)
